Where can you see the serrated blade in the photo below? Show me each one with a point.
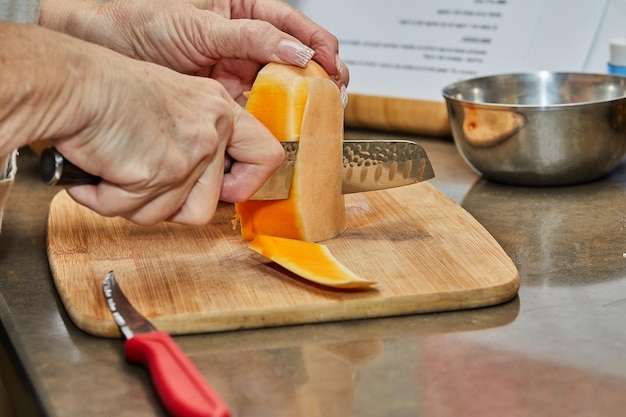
(129, 320)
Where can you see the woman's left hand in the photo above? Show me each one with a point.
(227, 40)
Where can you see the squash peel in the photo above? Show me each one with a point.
(309, 260)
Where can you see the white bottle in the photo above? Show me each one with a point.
(617, 60)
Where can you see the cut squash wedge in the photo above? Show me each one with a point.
(303, 105)
(309, 260)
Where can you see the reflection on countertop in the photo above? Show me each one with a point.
(556, 349)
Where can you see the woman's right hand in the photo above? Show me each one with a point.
(157, 138)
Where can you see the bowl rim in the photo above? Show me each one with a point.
(449, 97)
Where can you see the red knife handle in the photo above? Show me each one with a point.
(181, 387)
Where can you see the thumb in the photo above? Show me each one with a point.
(254, 40)
(256, 154)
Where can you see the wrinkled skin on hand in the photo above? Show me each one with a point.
(161, 148)
(227, 40)
(158, 138)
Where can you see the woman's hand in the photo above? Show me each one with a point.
(158, 138)
(227, 40)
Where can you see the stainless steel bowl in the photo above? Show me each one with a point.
(540, 128)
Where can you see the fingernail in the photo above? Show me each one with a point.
(294, 53)
(339, 66)
(344, 96)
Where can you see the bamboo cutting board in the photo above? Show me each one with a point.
(426, 253)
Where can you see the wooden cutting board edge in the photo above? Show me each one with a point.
(260, 318)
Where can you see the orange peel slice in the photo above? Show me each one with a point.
(309, 260)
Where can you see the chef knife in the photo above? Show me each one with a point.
(180, 386)
(368, 165)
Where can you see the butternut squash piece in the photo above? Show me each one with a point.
(304, 105)
(309, 260)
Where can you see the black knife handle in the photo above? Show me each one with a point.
(56, 170)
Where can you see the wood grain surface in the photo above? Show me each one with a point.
(422, 117)
(426, 253)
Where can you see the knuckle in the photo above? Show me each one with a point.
(200, 218)
(145, 221)
(278, 154)
(256, 29)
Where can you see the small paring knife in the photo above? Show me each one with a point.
(368, 165)
(181, 387)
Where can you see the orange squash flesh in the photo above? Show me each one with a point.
(309, 260)
(304, 105)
